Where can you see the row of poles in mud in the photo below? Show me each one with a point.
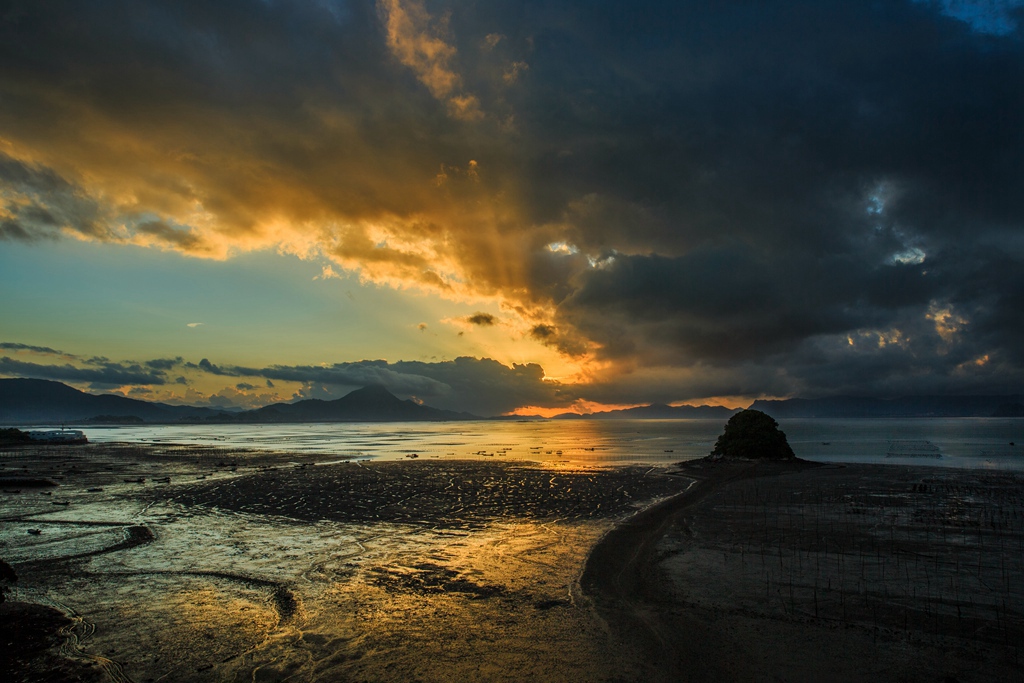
(924, 559)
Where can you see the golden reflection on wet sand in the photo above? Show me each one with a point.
(376, 571)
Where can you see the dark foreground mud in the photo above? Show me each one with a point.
(446, 495)
(31, 637)
(859, 573)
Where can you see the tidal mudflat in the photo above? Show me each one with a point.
(810, 572)
(178, 563)
(184, 564)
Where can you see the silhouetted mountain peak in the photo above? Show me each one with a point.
(373, 392)
(372, 403)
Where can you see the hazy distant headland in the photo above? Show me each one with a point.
(34, 400)
(27, 401)
(907, 406)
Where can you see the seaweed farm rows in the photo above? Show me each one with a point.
(913, 551)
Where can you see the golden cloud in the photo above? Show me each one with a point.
(416, 39)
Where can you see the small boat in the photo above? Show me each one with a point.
(140, 480)
(60, 502)
(34, 532)
(95, 489)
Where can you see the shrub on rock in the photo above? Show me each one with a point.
(11, 435)
(752, 435)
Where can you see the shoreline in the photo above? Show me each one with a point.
(703, 587)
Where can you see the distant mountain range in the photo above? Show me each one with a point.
(907, 406)
(28, 401)
(369, 404)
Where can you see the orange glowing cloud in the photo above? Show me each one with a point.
(416, 39)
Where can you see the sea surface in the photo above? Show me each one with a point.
(992, 443)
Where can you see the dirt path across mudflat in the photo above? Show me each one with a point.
(622, 568)
(799, 572)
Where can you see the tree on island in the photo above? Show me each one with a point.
(752, 435)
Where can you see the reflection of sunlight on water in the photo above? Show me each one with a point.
(590, 441)
(388, 602)
(220, 594)
(963, 442)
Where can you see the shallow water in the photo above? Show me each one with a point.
(950, 442)
(192, 563)
(986, 443)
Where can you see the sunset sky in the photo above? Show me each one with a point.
(496, 206)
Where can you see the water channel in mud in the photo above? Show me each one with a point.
(182, 563)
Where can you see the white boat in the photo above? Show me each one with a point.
(57, 436)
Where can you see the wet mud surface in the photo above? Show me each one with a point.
(455, 495)
(165, 563)
(845, 573)
(30, 640)
(191, 564)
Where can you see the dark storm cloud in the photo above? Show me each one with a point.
(770, 120)
(481, 386)
(107, 375)
(755, 183)
(168, 234)
(712, 198)
(163, 363)
(36, 203)
(486, 387)
(542, 332)
(482, 319)
(730, 304)
(356, 374)
(15, 346)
